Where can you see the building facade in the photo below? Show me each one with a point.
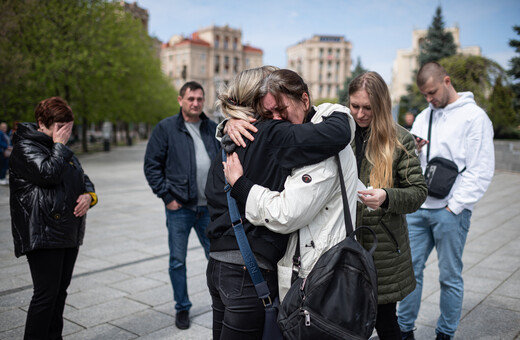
(211, 56)
(406, 63)
(324, 62)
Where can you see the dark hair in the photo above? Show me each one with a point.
(278, 83)
(192, 85)
(430, 69)
(51, 110)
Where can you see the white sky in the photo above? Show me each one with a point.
(376, 29)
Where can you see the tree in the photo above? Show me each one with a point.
(90, 52)
(475, 74)
(358, 70)
(438, 43)
(515, 70)
(501, 110)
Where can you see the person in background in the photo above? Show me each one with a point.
(408, 120)
(388, 166)
(461, 132)
(176, 164)
(49, 199)
(5, 152)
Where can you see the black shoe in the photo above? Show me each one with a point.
(407, 335)
(182, 319)
(442, 336)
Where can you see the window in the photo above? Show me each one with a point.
(203, 56)
(321, 52)
(235, 65)
(217, 64)
(337, 53)
(226, 43)
(217, 41)
(226, 64)
(235, 44)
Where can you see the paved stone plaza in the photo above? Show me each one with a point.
(121, 288)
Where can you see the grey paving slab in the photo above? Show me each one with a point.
(145, 322)
(104, 331)
(486, 322)
(93, 296)
(121, 287)
(104, 312)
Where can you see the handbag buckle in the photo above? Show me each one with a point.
(267, 301)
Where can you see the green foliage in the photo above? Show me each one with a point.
(438, 43)
(90, 52)
(515, 70)
(501, 109)
(358, 70)
(413, 102)
(325, 100)
(474, 73)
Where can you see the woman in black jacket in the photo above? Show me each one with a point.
(49, 197)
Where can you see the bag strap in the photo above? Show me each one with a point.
(430, 141)
(429, 137)
(262, 290)
(346, 214)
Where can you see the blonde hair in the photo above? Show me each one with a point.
(382, 131)
(237, 100)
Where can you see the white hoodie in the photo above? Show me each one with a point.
(311, 203)
(461, 132)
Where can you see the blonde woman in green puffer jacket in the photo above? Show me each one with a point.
(388, 166)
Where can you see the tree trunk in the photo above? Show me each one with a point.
(84, 139)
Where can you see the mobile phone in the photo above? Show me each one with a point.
(421, 140)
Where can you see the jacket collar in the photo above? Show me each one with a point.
(181, 124)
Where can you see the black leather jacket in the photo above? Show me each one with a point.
(45, 180)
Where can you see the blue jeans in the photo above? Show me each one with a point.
(446, 232)
(179, 223)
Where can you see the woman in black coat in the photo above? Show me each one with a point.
(49, 198)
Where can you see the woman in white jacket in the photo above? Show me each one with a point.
(311, 201)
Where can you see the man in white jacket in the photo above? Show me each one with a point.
(461, 132)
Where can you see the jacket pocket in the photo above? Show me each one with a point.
(391, 236)
(179, 188)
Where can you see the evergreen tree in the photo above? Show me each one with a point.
(438, 43)
(358, 70)
(515, 70)
(501, 110)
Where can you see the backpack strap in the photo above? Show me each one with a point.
(262, 290)
(430, 141)
(348, 223)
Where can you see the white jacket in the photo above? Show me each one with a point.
(463, 133)
(311, 203)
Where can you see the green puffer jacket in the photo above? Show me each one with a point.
(393, 257)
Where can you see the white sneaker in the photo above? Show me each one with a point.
(4, 182)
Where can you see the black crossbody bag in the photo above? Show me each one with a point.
(440, 173)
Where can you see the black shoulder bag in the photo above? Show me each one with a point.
(440, 173)
(338, 299)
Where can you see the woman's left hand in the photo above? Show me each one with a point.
(233, 168)
(83, 205)
(372, 198)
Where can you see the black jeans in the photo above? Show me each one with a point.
(386, 323)
(51, 272)
(238, 313)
